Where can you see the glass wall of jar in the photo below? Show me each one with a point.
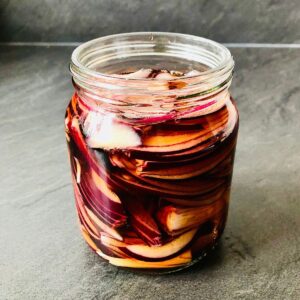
(151, 132)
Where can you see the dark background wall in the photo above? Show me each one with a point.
(237, 21)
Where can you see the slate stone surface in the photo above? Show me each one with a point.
(256, 21)
(42, 255)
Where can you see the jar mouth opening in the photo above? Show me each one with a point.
(94, 59)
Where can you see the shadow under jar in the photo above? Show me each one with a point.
(151, 131)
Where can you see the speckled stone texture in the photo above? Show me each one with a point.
(42, 255)
(267, 21)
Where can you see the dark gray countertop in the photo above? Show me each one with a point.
(42, 255)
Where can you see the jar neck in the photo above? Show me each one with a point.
(95, 67)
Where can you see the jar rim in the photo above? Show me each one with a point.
(226, 62)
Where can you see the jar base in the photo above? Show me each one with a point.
(168, 271)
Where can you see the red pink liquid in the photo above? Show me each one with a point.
(159, 199)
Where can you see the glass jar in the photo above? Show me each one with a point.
(151, 132)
